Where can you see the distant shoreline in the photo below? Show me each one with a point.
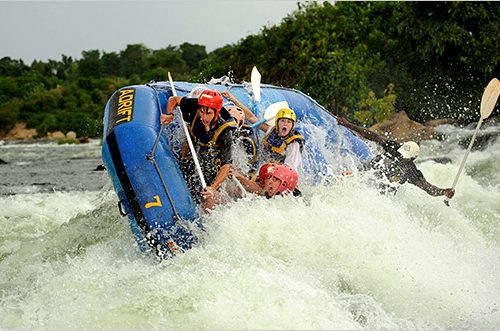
(20, 133)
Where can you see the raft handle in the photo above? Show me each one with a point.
(121, 208)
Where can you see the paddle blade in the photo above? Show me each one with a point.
(255, 80)
(270, 113)
(489, 99)
(272, 110)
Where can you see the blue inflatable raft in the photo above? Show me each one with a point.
(142, 161)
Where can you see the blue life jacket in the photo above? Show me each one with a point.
(275, 145)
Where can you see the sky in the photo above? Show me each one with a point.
(44, 30)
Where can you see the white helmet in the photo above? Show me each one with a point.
(409, 150)
(196, 91)
(238, 114)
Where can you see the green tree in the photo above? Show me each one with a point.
(168, 59)
(9, 113)
(111, 64)
(192, 54)
(133, 59)
(446, 51)
(362, 60)
(12, 68)
(90, 65)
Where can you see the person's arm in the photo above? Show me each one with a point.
(416, 177)
(211, 197)
(221, 177)
(293, 156)
(434, 190)
(168, 117)
(248, 184)
(227, 171)
(365, 133)
(250, 117)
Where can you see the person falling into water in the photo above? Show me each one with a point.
(397, 162)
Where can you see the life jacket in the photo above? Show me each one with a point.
(214, 152)
(275, 145)
(208, 143)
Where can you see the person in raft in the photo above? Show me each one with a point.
(274, 179)
(397, 162)
(212, 135)
(282, 143)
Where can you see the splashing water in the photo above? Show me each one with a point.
(343, 256)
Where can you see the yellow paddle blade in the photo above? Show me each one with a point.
(489, 98)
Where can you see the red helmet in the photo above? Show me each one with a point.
(265, 172)
(211, 99)
(288, 176)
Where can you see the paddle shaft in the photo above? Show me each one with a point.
(488, 101)
(256, 124)
(462, 165)
(188, 138)
(239, 185)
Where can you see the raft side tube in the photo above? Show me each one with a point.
(131, 128)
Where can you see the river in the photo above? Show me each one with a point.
(343, 256)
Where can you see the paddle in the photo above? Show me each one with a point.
(239, 185)
(188, 138)
(255, 81)
(270, 113)
(488, 101)
(272, 110)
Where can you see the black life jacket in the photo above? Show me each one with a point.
(214, 147)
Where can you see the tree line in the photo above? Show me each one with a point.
(361, 60)
(71, 94)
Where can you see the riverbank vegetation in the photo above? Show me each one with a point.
(362, 60)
